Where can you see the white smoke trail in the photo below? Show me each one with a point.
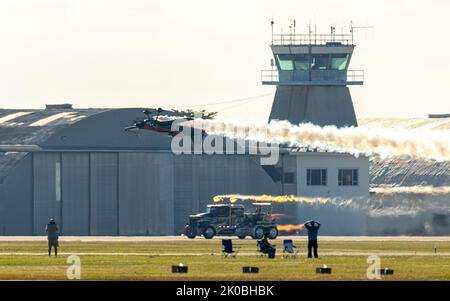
(412, 190)
(387, 201)
(315, 201)
(431, 144)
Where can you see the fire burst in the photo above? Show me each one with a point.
(290, 227)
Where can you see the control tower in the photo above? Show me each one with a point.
(311, 74)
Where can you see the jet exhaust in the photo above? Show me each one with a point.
(420, 143)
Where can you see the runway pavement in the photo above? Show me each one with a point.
(175, 238)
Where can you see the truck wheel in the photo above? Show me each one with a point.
(258, 233)
(209, 232)
(273, 233)
(241, 236)
(189, 233)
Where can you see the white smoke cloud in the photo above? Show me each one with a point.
(412, 190)
(421, 143)
(407, 210)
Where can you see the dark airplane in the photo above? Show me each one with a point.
(157, 123)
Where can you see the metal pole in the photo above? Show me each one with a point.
(309, 33)
(351, 30)
(315, 34)
(294, 30)
(229, 214)
(271, 25)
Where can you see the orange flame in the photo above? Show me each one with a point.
(289, 227)
(233, 198)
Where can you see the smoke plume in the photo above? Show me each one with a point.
(412, 190)
(416, 210)
(422, 143)
(233, 198)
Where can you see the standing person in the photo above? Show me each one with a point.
(313, 228)
(52, 236)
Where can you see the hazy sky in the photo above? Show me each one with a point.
(106, 53)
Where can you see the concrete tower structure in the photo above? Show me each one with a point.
(311, 74)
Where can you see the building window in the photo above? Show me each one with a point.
(285, 62)
(338, 61)
(316, 177)
(319, 62)
(348, 177)
(301, 62)
(288, 178)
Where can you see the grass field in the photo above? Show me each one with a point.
(152, 260)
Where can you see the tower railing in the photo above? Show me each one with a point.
(311, 39)
(355, 75)
(325, 77)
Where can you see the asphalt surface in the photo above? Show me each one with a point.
(169, 238)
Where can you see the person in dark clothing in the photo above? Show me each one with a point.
(267, 247)
(52, 236)
(313, 228)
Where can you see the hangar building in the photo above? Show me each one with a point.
(80, 167)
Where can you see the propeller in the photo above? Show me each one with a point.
(147, 112)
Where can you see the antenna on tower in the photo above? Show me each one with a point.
(271, 25)
(309, 32)
(294, 29)
(352, 28)
(290, 30)
(315, 33)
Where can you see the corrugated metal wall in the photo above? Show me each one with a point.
(75, 193)
(185, 196)
(135, 193)
(104, 194)
(137, 184)
(146, 193)
(16, 200)
(46, 194)
(164, 202)
(221, 174)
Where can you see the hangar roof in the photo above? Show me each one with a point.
(74, 129)
(35, 126)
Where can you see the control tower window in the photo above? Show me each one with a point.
(338, 61)
(301, 62)
(319, 62)
(285, 62)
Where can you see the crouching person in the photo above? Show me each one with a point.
(267, 247)
(52, 236)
